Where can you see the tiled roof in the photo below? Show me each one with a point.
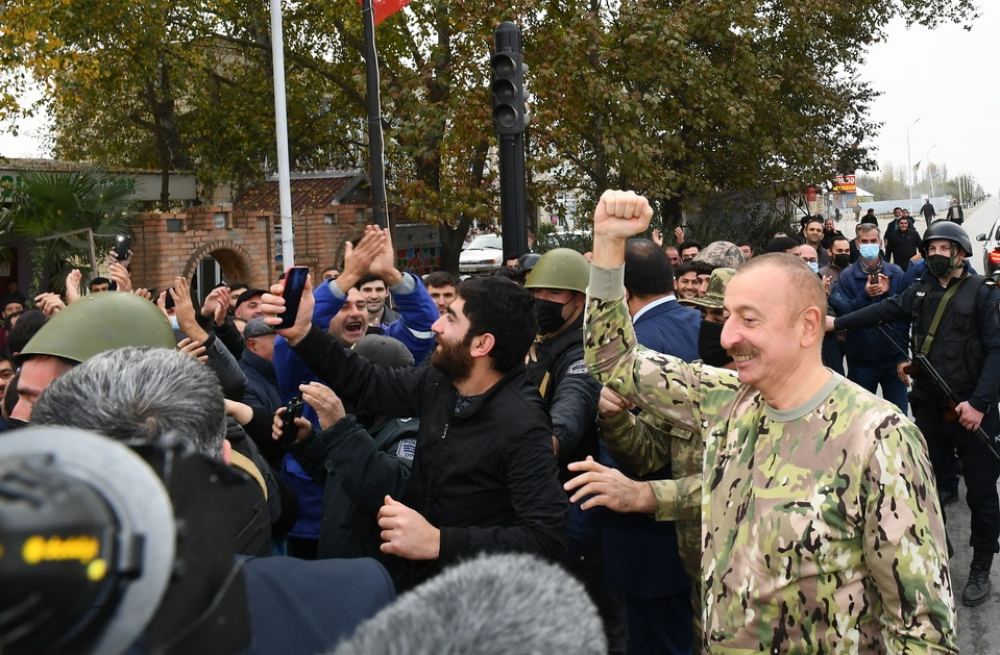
(311, 191)
(65, 166)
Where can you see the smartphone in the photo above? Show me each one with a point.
(295, 283)
(293, 410)
(122, 243)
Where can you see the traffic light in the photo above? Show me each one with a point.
(507, 69)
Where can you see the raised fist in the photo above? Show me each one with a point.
(621, 214)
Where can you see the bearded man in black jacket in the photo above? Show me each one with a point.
(484, 474)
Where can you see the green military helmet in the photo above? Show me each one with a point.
(713, 298)
(100, 322)
(560, 268)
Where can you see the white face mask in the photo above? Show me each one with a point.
(173, 323)
(813, 266)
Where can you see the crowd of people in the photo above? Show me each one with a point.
(681, 443)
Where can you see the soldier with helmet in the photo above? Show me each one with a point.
(555, 366)
(89, 326)
(955, 321)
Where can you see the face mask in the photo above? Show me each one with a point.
(842, 260)
(549, 315)
(813, 266)
(709, 344)
(868, 251)
(174, 324)
(939, 265)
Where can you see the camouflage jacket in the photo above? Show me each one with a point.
(820, 525)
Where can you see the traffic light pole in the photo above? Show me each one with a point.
(513, 196)
(507, 73)
(376, 150)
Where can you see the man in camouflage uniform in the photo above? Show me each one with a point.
(820, 523)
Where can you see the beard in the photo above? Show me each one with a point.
(453, 359)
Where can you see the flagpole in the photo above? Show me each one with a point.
(376, 148)
(281, 132)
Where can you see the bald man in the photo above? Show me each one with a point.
(821, 530)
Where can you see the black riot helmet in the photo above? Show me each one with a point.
(945, 230)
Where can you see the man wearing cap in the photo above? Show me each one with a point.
(248, 305)
(257, 365)
(351, 454)
(955, 320)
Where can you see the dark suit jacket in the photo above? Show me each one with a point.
(640, 554)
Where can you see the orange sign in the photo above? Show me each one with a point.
(845, 184)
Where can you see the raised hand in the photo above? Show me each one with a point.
(73, 286)
(328, 406)
(384, 263)
(120, 275)
(621, 214)
(273, 306)
(49, 303)
(184, 310)
(358, 259)
(193, 349)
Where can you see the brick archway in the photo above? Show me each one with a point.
(235, 261)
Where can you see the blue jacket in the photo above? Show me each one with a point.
(869, 347)
(417, 313)
(640, 555)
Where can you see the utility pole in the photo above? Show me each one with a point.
(930, 171)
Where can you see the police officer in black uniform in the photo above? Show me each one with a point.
(962, 342)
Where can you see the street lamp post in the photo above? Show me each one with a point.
(909, 162)
(930, 172)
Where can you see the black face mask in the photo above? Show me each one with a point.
(939, 265)
(549, 316)
(709, 345)
(842, 260)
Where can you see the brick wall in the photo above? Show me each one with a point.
(245, 244)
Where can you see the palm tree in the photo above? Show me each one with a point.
(54, 212)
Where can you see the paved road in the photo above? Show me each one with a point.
(978, 627)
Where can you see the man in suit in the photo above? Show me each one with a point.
(642, 560)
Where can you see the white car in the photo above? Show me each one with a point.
(484, 253)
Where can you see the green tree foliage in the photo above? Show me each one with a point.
(47, 207)
(677, 99)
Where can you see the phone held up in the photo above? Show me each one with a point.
(122, 244)
(293, 410)
(295, 284)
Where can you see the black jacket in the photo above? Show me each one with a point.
(357, 469)
(485, 475)
(900, 247)
(262, 383)
(983, 317)
(557, 369)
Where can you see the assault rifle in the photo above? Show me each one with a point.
(922, 366)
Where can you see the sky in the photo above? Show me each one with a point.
(944, 77)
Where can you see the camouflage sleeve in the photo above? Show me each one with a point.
(635, 443)
(666, 387)
(904, 545)
(677, 499)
